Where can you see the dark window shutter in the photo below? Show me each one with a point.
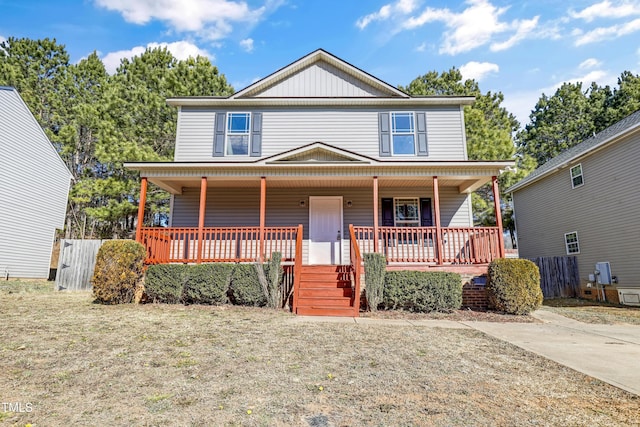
(421, 133)
(426, 220)
(256, 135)
(218, 137)
(385, 135)
(387, 212)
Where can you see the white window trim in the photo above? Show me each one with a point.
(392, 133)
(581, 175)
(576, 243)
(395, 221)
(227, 133)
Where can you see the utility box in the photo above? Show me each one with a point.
(603, 273)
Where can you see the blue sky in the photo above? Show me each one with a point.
(520, 48)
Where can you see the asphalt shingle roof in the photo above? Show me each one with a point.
(613, 131)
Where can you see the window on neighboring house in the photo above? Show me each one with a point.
(571, 243)
(403, 133)
(576, 176)
(407, 213)
(238, 126)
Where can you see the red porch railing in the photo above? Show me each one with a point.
(461, 245)
(219, 244)
(356, 270)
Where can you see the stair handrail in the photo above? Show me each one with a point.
(356, 265)
(297, 269)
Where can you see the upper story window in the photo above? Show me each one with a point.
(407, 213)
(576, 176)
(238, 130)
(403, 133)
(571, 243)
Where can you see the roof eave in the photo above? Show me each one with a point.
(320, 102)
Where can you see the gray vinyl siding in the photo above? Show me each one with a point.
(228, 207)
(350, 129)
(605, 212)
(34, 185)
(320, 80)
(194, 137)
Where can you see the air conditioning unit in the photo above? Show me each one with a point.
(629, 296)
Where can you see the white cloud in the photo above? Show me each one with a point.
(209, 19)
(607, 9)
(523, 30)
(422, 47)
(180, 49)
(478, 70)
(589, 63)
(399, 8)
(247, 45)
(607, 33)
(475, 26)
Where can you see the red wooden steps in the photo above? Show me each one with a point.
(325, 290)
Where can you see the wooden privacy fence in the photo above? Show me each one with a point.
(559, 276)
(76, 263)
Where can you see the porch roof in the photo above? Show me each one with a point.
(466, 176)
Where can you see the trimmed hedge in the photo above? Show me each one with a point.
(118, 271)
(245, 287)
(375, 266)
(513, 286)
(165, 282)
(207, 284)
(422, 291)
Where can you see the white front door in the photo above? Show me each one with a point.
(325, 229)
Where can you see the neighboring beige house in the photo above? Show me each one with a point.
(34, 185)
(585, 202)
(322, 162)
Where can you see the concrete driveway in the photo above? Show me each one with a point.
(610, 353)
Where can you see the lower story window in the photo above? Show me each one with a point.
(407, 212)
(571, 243)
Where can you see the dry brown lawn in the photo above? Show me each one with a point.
(593, 311)
(79, 363)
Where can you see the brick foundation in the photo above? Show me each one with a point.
(592, 294)
(474, 293)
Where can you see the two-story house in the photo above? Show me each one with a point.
(322, 162)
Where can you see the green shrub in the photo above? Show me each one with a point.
(422, 291)
(165, 282)
(375, 266)
(207, 283)
(513, 286)
(118, 272)
(245, 288)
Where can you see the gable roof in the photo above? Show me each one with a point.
(334, 64)
(317, 152)
(609, 135)
(319, 79)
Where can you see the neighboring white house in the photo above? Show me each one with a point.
(586, 202)
(34, 186)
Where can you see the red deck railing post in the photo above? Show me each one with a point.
(297, 269)
(141, 203)
(496, 202)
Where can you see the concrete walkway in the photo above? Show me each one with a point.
(610, 353)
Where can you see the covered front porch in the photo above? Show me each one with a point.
(417, 216)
